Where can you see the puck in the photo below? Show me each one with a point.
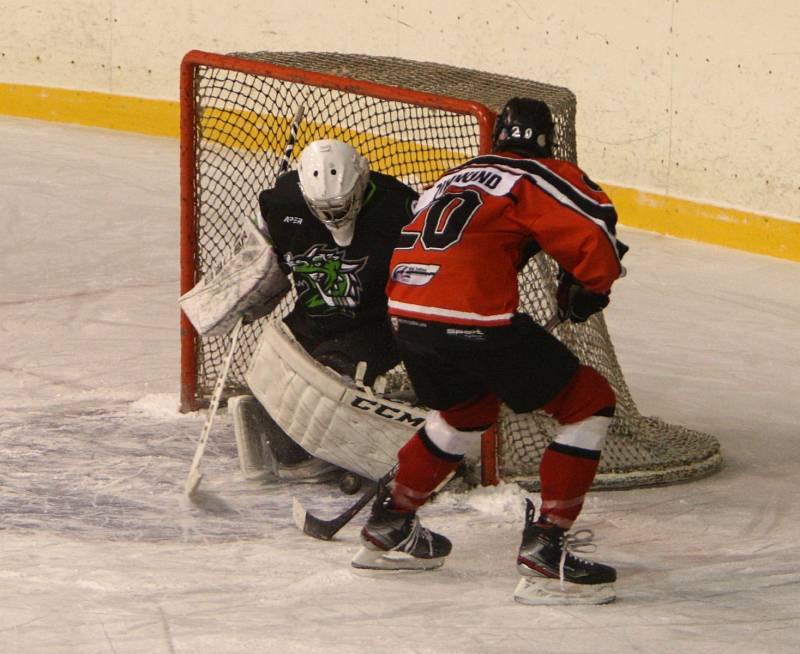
(350, 483)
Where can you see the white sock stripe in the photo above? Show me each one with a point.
(588, 434)
(402, 503)
(558, 521)
(408, 492)
(563, 504)
(407, 499)
(446, 437)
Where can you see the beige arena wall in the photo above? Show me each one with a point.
(688, 110)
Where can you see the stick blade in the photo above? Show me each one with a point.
(299, 514)
(316, 527)
(192, 482)
(312, 526)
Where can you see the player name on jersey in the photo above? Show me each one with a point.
(492, 179)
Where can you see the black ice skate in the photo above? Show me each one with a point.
(397, 541)
(552, 574)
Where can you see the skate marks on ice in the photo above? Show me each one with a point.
(115, 472)
(685, 550)
(94, 499)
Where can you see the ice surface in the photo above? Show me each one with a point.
(100, 552)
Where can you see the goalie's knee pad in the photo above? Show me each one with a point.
(587, 394)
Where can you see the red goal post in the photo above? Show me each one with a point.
(413, 120)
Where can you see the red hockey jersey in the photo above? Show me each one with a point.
(457, 260)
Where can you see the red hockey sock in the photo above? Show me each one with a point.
(566, 473)
(422, 468)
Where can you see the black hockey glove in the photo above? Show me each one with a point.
(575, 302)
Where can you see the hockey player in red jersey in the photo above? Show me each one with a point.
(453, 302)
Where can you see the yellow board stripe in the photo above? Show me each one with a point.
(254, 132)
(120, 112)
(707, 223)
(733, 228)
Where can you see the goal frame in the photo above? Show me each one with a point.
(415, 120)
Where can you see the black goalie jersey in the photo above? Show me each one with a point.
(340, 290)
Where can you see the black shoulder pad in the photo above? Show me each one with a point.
(391, 184)
(285, 191)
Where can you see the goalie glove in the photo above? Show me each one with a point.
(575, 302)
(250, 285)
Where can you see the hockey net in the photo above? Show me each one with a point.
(412, 120)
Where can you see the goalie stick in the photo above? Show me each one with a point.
(321, 529)
(194, 477)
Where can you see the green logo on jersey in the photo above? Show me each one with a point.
(326, 282)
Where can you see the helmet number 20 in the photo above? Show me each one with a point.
(444, 221)
(516, 132)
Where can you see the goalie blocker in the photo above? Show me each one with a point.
(349, 426)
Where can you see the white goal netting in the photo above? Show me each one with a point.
(413, 120)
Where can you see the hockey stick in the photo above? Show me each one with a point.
(194, 477)
(316, 527)
(293, 129)
(554, 322)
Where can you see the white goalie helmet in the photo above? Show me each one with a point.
(333, 178)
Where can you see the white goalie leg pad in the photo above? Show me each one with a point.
(449, 439)
(588, 434)
(247, 429)
(344, 425)
(252, 277)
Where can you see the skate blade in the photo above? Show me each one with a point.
(543, 591)
(367, 559)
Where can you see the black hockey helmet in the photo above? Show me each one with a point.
(524, 126)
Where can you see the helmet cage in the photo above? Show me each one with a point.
(339, 209)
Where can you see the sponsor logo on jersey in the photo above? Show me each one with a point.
(386, 411)
(294, 220)
(396, 321)
(467, 333)
(414, 274)
(327, 283)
